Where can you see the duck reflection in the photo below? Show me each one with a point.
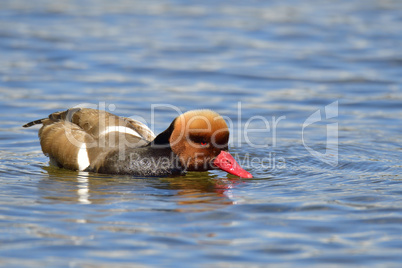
(197, 191)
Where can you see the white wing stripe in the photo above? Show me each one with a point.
(121, 129)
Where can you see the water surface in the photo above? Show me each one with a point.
(269, 61)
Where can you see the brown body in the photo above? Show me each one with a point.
(65, 136)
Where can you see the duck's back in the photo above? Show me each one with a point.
(81, 138)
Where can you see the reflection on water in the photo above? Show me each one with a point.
(198, 191)
(273, 59)
(83, 189)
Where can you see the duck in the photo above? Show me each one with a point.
(93, 140)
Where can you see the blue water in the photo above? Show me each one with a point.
(328, 193)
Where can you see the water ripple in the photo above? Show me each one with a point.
(268, 59)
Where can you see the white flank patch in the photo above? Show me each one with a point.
(82, 157)
(121, 129)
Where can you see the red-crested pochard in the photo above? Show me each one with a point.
(93, 140)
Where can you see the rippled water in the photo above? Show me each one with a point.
(256, 63)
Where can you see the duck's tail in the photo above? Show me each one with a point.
(54, 117)
(36, 122)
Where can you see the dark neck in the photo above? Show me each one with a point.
(162, 140)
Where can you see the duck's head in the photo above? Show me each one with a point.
(200, 139)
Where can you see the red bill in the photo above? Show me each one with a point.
(226, 162)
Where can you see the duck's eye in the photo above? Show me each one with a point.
(202, 141)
